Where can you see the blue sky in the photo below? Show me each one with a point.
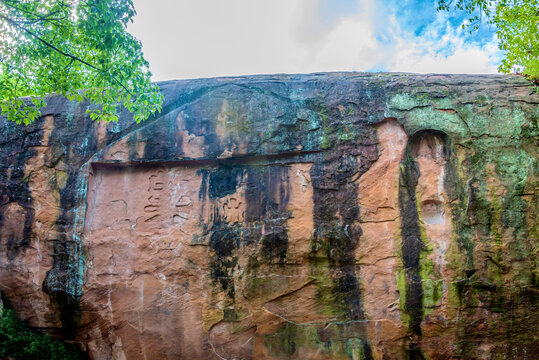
(206, 38)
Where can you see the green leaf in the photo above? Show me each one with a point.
(517, 29)
(85, 53)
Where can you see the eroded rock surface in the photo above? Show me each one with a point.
(325, 216)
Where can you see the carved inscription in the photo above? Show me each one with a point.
(152, 210)
(157, 204)
(232, 210)
(305, 178)
(183, 208)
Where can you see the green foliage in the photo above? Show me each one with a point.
(78, 48)
(18, 342)
(517, 29)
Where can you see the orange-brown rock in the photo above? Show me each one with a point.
(325, 216)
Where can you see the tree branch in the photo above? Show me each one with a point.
(38, 17)
(17, 25)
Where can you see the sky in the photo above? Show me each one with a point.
(185, 39)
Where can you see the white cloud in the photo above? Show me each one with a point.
(442, 49)
(205, 38)
(410, 57)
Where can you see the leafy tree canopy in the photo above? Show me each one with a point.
(517, 29)
(78, 48)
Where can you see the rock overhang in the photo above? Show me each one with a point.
(350, 193)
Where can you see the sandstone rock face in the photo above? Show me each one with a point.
(324, 216)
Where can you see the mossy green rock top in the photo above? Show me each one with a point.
(322, 216)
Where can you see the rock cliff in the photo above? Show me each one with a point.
(323, 216)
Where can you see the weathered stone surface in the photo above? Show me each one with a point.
(324, 216)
